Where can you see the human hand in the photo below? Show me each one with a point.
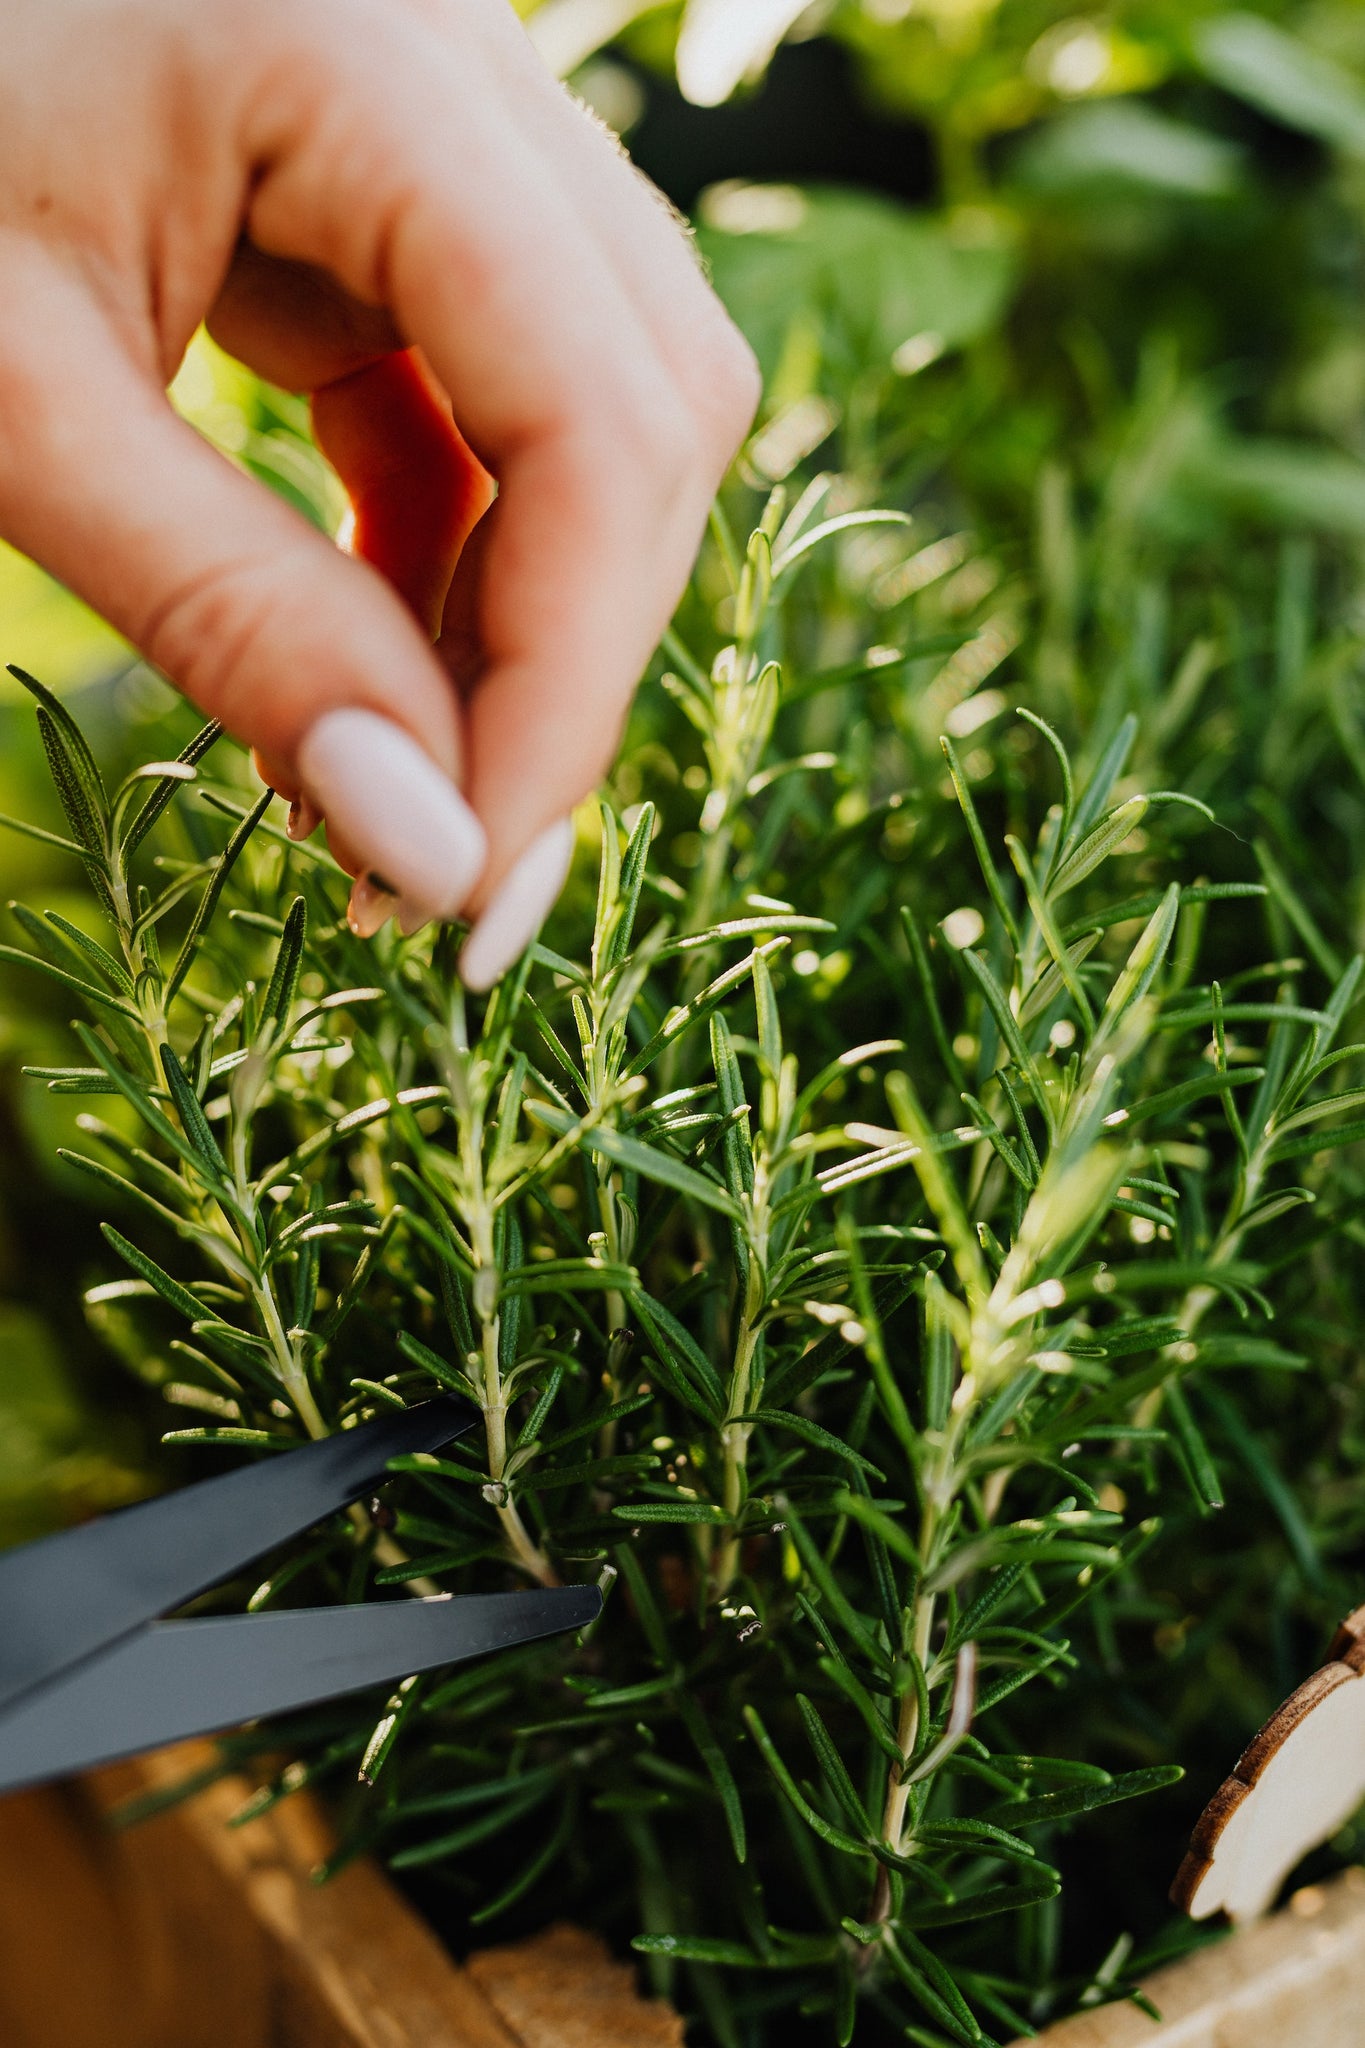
(389, 204)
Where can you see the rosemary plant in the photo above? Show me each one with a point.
(842, 1270)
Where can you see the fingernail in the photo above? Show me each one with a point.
(304, 818)
(387, 798)
(411, 920)
(370, 904)
(519, 908)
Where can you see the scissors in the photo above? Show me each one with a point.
(90, 1672)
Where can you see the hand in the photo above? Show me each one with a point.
(389, 204)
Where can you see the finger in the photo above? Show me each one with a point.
(414, 486)
(575, 581)
(604, 471)
(254, 614)
(416, 491)
(648, 243)
(293, 324)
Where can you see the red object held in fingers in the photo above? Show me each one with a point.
(417, 488)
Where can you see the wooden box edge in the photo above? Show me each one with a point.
(182, 1932)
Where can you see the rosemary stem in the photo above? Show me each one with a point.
(734, 1440)
(615, 1303)
(521, 1546)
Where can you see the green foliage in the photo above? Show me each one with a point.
(870, 272)
(832, 1263)
(898, 1226)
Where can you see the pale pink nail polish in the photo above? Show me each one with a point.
(519, 908)
(387, 799)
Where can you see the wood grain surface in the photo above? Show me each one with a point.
(184, 1933)
(1295, 1980)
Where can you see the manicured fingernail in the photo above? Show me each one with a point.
(411, 920)
(519, 908)
(387, 798)
(304, 818)
(370, 904)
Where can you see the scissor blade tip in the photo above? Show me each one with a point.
(450, 1409)
(570, 1606)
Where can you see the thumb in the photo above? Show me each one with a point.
(307, 656)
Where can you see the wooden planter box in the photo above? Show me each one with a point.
(1296, 1980)
(184, 1933)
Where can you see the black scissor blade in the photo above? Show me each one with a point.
(173, 1679)
(69, 1595)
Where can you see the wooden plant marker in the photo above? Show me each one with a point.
(1294, 1785)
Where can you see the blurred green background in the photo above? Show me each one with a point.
(1078, 286)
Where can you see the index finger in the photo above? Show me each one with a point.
(604, 470)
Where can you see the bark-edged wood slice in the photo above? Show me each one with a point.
(1295, 1784)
